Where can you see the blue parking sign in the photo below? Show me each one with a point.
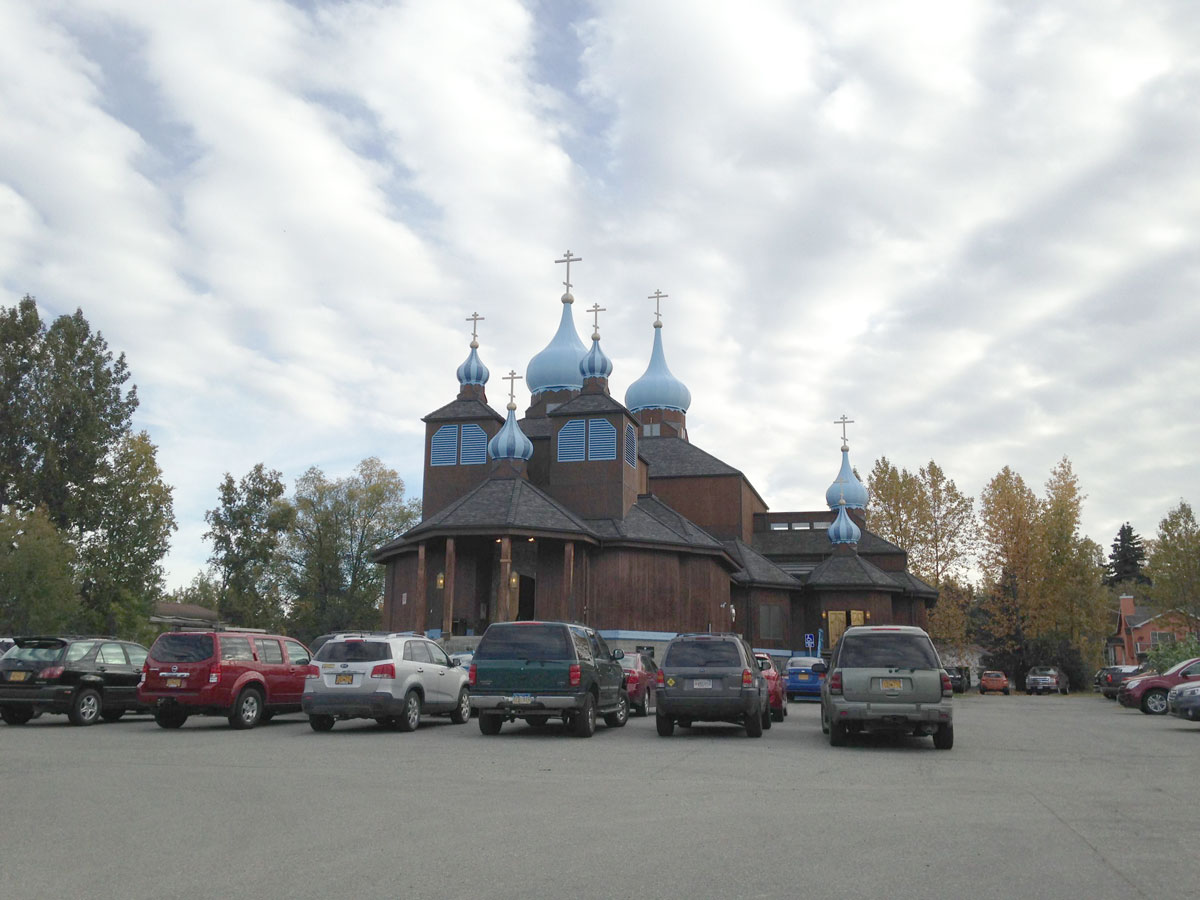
(810, 641)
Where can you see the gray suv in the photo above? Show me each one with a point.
(712, 678)
(886, 678)
(392, 678)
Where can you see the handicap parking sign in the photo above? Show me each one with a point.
(810, 641)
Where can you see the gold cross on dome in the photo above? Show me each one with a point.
(658, 296)
(475, 318)
(843, 421)
(595, 309)
(568, 259)
(512, 378)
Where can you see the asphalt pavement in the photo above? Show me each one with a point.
(1041, 797)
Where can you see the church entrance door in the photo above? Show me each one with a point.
(841, 619)
(525, 610)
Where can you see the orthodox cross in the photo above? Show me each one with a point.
(568, 259)
(658, 296)
(511, 378)
(843, 421)
(475, 318)
(595, 309)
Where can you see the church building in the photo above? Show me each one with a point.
(594, 511)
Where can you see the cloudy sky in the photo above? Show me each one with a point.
(973, 227)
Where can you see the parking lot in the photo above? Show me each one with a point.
(1041, 797)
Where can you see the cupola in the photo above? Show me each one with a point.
(510, 442)
(658, 388)
(843, 530)
(556, 368)
(846, 487)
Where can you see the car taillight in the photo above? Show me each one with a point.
(145, 672)
(835, 682)
(214, 673)
(384, 670)
(947, 687)
(471, 675)
(312, 672)
(660, 679)
(51, 674)
(574, 675)
(747, 677)
(632, 677)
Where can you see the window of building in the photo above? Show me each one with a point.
(602, 439)
(474, 446)
(652, 430)
(630, 445)
(779, 526)
(1161, 637)
(821, 526)
(801, 526)
(571, 438)
(443, 448)
(770, 621)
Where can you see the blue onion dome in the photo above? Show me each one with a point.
(843, 530)
(556, 368)
(658, 388)
(510, 441)
(595, 364)
(473, 371)
(846, 486)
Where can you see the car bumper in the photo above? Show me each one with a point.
(363, 706)
(878, 716)
(517, 704)
(50, 698)
(711, 709)
(1125, 698)
(1185, 707)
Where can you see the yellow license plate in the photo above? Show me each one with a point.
(174, 682)
(343, 679)
(890, 684)
(17, 676)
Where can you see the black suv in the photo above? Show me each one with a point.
(537, 670)
(712, 678)
(88, 678)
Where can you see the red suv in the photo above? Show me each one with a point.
(640, 671)
(246, 677)
(1149, 692)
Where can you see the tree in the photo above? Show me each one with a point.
(1174, 565)
(20, 351)
(246, 528)
(1128, 558)
(949, 533)
(38, 594)
(899, 510)
(949, 620)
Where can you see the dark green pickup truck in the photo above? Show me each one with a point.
(538, 670)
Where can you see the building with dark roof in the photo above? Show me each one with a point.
(591, 510)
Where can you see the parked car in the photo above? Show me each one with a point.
(801, 680)
(1046, 680)
(391, 678)
(886, 678)
(993, 680)
(640, 671)
(1183, 701)
(776, 694)
(6, 644)
(246, 677)
(87, 679)
(1112, 677)
(463, 658)
(1149, 692)
(538, 670)
(712, 677)
(958, 683)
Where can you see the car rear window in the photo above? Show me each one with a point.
(177, 648)
(703, 653)
(993, 674)
(887, 650)
(354, 651)
(1040, 670)
(36, 651)
(524, 642)
(802, 662)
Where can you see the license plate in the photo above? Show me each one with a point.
(343, 679)
(17, 676)
(522, 699)
(890, 684)
(174, 682)
(802, 677)
(700, 683)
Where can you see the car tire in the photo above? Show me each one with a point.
(778, 714)
(766, 718)
(247, 709)
(1006, 692)
(943, 738)
(1154, 703)
(754, 725)
(112, 715)
(584, 723)
(621, 716)
(490, 723)
(321, 723)
(643, 709)
(170, 719)
(665, 725)
(410, 718)
(462, 712)
(85, 708)
(15, 715)
(824, 721)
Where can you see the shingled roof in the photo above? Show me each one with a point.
(463, 409)
(815, 542)
(672, 457)
(650, 521)
(589, 403)
(912, 584)
(757, 569)
(851, 571)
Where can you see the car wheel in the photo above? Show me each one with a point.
(490, 723)
(321, 723)
(112, 715)
(585, 718)
(462, 712)
(170, 719)
(766, 718)
(754, 725)
(15, 715)
(943, 738)
(778, 714)
(621, 716)
(411, 717)
(665, 724)
(85, 708)
(824, 721)
(247, 709)
(837, 734)
(1154, 703)
(643, 709)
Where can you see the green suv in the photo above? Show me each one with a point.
(539, 670)
(886, 678)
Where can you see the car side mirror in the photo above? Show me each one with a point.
(820, 668)
(618, 653)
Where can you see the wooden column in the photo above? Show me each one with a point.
(503, 591)
(568, 602)
(448, 592)
(422, 598)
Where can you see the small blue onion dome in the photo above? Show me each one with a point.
(846, 486)
(556, 368)
(595, 364)
(843, 530)
(510, 441)
(473, 371)
(658, 388)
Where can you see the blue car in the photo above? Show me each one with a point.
(802, 681)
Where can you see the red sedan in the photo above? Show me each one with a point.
(776, 690)
(640, 671)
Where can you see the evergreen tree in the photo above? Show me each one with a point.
(1128, 558)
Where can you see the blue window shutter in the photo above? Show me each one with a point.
(570, 442)
(630, 445)
(443, 449)
(602, 439)
(474, 446)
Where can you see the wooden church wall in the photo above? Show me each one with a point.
(713, 503)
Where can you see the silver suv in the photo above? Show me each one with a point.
(390, 677)
(886, 678)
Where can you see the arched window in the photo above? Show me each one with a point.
(571, 441)
(474, 446)
(602, 439)
(443, 449)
